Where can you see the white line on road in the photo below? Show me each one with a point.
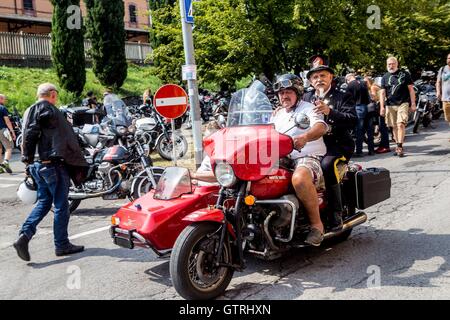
(7, 185)
(76, 236)
(12, 179)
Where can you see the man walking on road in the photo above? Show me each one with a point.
(443, 88)
(396, 100)
(7, 136)
(46, 128)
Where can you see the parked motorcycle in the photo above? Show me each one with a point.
(158, 132)
(16, 121)
(255, 211)
(428, 106)
(119, 166)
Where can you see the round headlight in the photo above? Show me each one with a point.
(225, 175)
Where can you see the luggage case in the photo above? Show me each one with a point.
(373, 185)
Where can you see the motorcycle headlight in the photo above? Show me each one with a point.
(424, 100)
(225, 175)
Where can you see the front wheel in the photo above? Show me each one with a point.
(194, 273)
(143, 185)
(165, 146)
(417, 118)
(73, 205)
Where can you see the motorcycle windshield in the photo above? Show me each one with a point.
(250, 106)
(249, 144)
(117, 110)
(174, 182)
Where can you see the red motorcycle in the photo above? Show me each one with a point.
(255, 211)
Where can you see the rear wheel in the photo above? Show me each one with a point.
(194, 273)
(165, 146)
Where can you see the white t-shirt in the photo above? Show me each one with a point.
(284, 121)
(205, 166)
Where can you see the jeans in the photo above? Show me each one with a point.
(53, 184)
(384, 143)
(364, 124)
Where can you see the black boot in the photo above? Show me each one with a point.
(335, 205)
(21, 246)
(70, 249)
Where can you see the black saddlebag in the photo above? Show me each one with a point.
(363, 189)
(372, 186)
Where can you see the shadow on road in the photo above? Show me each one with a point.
(400, 255)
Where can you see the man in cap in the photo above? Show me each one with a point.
(338, 109)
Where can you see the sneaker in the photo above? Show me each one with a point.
(70, 249)
(382, 150)
(1, 169)
(6, 167)
(314, 238)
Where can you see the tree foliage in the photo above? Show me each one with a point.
(68, 48)
(236, 38)
(106, 30)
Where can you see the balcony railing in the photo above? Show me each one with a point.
(37, 46)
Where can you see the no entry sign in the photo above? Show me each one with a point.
(171, 101)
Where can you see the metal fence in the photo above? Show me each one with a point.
(38, 47)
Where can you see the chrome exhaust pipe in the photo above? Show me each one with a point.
(358, 219)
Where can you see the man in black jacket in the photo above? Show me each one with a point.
(339, 112)
(46, 128)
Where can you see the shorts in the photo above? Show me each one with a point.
(446, 107)
(4, 141)
(397, 114)
(313, 164)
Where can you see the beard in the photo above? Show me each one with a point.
(392, 70)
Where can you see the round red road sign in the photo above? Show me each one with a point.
(170, 101)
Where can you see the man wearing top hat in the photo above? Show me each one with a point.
(339, 112)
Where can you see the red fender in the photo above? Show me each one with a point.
(213, 215)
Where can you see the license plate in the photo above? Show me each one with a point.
(124, 243)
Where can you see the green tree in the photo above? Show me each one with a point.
(68, 46)
(106, 30)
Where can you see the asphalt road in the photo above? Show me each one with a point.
(402, 252)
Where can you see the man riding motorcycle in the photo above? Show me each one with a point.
(309, 148)
(339, 113)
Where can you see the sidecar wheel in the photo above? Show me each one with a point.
(194, 276)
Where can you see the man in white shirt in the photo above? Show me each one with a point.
(309, 148)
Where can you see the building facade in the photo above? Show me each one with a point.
(35, 16)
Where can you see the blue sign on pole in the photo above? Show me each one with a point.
(189, 13)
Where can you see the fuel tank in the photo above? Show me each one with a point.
(273, 186)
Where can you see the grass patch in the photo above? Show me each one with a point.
(20, 84)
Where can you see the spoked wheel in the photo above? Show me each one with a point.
(194, 273)
(165, 146)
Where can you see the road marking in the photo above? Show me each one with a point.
(76, 236)
(12, 179)
(7, 185)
